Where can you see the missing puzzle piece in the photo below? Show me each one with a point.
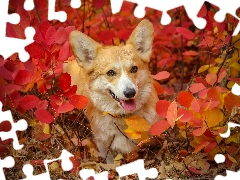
(20, 125)
(66, 166)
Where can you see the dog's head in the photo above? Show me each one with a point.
(117, 75)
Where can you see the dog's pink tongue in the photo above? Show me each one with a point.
(128, 105)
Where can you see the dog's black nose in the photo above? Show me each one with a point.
(129, 93)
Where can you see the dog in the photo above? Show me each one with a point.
(118, 84)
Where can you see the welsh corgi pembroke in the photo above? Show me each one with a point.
(118, 84)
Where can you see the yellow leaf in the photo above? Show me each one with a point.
(213, 117)
(118, 157)
(234, 138)
(215, 30)
(54, 166)
(46, 129)
(233, 72)
(132, 133)
(219, 60)
(230, 84)
(213, 69)
(236, 65)
(137, 123)
(236, 39)
(204, 68)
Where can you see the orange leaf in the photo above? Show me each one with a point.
(137, 123)
(185, 98)
(172, 114)
(159, 127)
(78, 101)
(201, 146)
(190, 53)
(158, 88)
(211, 78)
(214, 94)
(231, 100)
(132, 133)
(213, 117)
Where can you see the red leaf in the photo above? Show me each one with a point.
(35, 50)
(197, 87)
(159, 127)
(210, 147)
(5, 73)
(185, 32)
(203, 11)
(44, 116)
(64, 51)
(185, 98)
(29, 102)
(5, 126)
(76, 165)
(72, 91)
(99, 3)
(209, 25)
(61, 36)
(50, 35)
(64, 81)
(194, 170)
(23, 77)
(69, 29)
(161, 75)
(190, 53)
(78, 101)
(187, 115)
(195, 105)
(124, 34)
(43, 27)
(106, 35)
(42, 104)
(65, 107)
(162, 107)
(38, 38)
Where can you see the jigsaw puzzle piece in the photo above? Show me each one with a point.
(137, 167)
(11, 45)
(28, 171)
(8, 162)
(21, 125)
(66, 165)
(229, 7)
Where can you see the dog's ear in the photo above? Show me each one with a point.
(84, 48)
(142, 38)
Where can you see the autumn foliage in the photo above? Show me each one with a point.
(194, 72)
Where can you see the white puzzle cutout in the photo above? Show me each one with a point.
(7, 162)
(192, 8)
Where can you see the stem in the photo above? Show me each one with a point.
(35, 8)
(84, 11)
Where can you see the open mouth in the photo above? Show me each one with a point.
(128, 105)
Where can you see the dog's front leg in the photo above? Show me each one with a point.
(105, 151)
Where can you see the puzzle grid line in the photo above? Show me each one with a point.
(11, 45)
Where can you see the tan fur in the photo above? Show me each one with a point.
(91, 77)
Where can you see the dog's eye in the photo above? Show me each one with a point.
(111, 73)
(134, 69)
